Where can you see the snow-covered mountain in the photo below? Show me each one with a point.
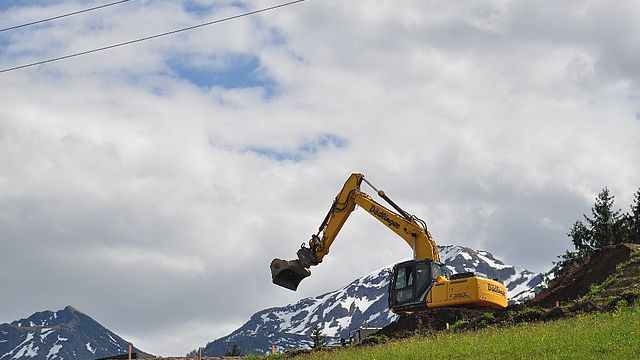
(64, 334)
(361, 303)
(520, 282)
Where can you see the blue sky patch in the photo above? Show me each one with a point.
(200, 9)
(306, 150)
(240, 71)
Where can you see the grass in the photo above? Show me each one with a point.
(597, 289)
(613, 335)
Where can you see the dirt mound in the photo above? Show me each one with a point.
(577, 280)
(429, 322)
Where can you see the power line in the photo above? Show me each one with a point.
(65, 15)
(151, 37)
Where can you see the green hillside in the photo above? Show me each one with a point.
(613, 335)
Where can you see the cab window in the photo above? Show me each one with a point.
(422, 275)
(404, 277)
(436, 270)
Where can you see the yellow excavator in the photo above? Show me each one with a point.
(416, 284)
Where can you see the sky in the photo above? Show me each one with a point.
(151, 185)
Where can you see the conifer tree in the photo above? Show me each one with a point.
(633, 220)
(317, 338)
(234, 350)
(606, 227)
(580, 236)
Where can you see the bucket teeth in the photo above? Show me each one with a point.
(288, 274)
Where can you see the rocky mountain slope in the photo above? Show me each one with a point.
(64, 334)
(361, 303)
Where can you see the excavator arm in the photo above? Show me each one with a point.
(413, 230)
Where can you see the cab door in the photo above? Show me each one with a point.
(409, 285)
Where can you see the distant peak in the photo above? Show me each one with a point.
(71, 309)
(74, 312)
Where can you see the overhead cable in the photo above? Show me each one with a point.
(152, 36)
(63, 16)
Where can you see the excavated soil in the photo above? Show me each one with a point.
(202, 358)
(428, 322)
(572, 285)
(576, 282)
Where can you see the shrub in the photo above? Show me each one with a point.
(458, 326)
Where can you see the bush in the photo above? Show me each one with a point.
(486, 320)
(458, 326)
(374, 340)
(529, 314)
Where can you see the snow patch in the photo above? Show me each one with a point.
(28, 351)
(364, 304)
(492, 263)
(44, 332)
(53, 352)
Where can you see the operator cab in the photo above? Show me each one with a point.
(410, 284)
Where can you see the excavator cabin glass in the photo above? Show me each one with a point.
(410, 283)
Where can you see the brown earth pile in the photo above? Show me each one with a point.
(202, 358)
(577, 281)
(429, 322)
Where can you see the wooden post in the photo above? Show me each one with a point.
(130, 346)
(273, 348)
(557, 303)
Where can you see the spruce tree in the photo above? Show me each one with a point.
(233, 350)
(317, 338)
(580, 236)
(633, 220)
(607, 226)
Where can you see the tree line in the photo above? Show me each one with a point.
(606, 226)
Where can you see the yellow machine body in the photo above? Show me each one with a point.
(468, 292)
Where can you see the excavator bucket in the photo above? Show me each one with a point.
(288, 274)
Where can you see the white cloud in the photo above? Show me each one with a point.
(497, 122)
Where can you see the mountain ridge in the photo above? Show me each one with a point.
(64, 334)
(363, 301)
